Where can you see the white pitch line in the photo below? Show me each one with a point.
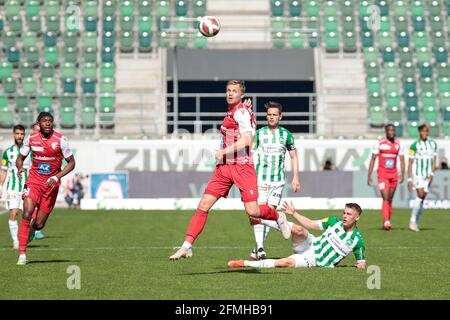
(205, 247)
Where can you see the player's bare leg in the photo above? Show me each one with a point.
(391, 193)
(196, 226)
(417, 210)
(14, 227)
(265, 212)
(24, 229)
(385, 209)
(266, 263)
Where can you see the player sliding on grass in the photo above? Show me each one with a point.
(272, 142)
(421, 168)
(340, 238)
(387, 150)
(48, 148)
(234, 166)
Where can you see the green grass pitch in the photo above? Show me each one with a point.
(124, 255)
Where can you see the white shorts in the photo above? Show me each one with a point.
(270, 192)
(13, 200)
(421, 183)
(304, 253)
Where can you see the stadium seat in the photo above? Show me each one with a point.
(22, 101)
(374, 85)
(412, 113)
(200, 41)
(385, 24)
(67, 118)
(6, 116)
(420, 39)
(347, 8)
(444, 84)
(440, 54)
(423, 55)
(426, 84)
(367, 39)
(312, 8)
(295, 8)
(90, 54)
(388, 54)
(71, 54)
(348, 24)
(126, 41)
(145, 7)
(127, 8)
(53, 24)
(87, 117)
(45, 103)
(69, 85)
(412, 129)
(6, 69)
(372, 69)
(349, 42)
(26, 117)
(370, 55)
(34, 23)
(383, 7)
(182, 39)
(145, 24)
(199, 8)
(390, 69)
(418, 23)
(438, 39)
(127, 23)
(392, 85)
(109, 23)
(49, 85)
(332, 42)
(181, 8)
(51, 55)
(296, 39)
(109, 7)
(434, 129)
(426, 70)
(25, 70)
(394, 114)
(163, 8)
(428, 99)
(88, 85)
(393, 99)
(446, 113)
(411, 99)
(51, 8)
(108, 39)
(376, 116)
(403, 39)
(375, 99)
(418, 8)
(409, 85)
(50, 39)
(9, 85)
(13, 55)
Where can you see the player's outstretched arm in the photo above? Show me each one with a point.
(371, 166)
(289, 208)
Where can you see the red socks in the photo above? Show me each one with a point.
(267, 213)
(385, 210)
(198, 221)
(24, 231)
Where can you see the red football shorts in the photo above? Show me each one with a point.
(242, 175)
(387, 182)
(44, 197)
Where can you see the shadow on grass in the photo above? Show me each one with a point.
(51, 237)
(402, 229)
(52, 261)
(230, 271)
(38, 246)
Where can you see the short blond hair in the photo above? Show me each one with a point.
(241, 83)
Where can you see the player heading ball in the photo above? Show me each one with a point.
(234, 166)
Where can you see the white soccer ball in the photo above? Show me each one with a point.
(209, 26)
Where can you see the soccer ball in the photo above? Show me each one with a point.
(209, 26)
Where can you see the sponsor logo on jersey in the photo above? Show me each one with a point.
(44, 158)
(44, 168)
(385, 147)
(54, 145)
(37, 149)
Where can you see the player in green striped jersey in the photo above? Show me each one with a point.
(421, 167)
(15, 183)
(271, 143)
(340, 238)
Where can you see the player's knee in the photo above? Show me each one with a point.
(288, 263)
(253, 213)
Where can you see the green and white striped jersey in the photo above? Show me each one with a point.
(423, 153)
(335, 243)
(14, 183)
(271, 147)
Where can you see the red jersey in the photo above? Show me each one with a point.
(388, 153)
(238, 120)
(47, 155)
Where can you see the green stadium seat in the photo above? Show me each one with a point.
(408, 70)
(364, 24)
(374, 85)
(384, 40)
(29, 86)
(400, 8)
(163, 8)
(163, 39)
(444, 84)
(393, 99)
(127, 23)
(445, 99)
(409, 85)
(390, 69)
(90, 8)
(348, 24)
(412, 129)
(126, 41)
(423, 55)
(9, 85)
(181, 8)
(426, 70)
(418, 23)
(435, 8)
(6, 117)
(32, 55)
(145, 7)
(312, 8)
(47, 70)
(88, 85)
(87, 118)
(426, 84)
(109, 23)
(446, 113)
(34, 23)
(26, 117)
(69, 85)
(420, 39)
(363, 9)
(107, 70)
(418, 8)
(401, 24)
(349, 42)
(441, 54)
(163, 23)
(90, 54)
(127, 8)
(89, 70)
(22, 101)
(405, 55)
(29, 39)
(199, 8)
(367, 39)
(51, 55)
(25, 70)
(392, 85)
(107, 85)
(411, 99)
(182, 39)
(145, 24)
(375, 99)
(295, 8)
(50, 39)
(16, 24)
(45, 103)
(200, 41)
(430, 114)
(181, 24)
(53, 24)
(88, 100)
(108, 54)
(71, 54)
(108, 39)
(6, 70)
(145, 41)
(412, 113)
(70, 39)
(376, 116)
(388, 54)
(434, 129)
(428, 99)
(67, 118)
(383, 7)
(385, 24)
(109, 7)
(12, 8)
(296, 39)
(331, 24)
(370, 55)
(49, 85)
(438, 39)
(442, 69)
(347, 8)
(278, 39)
(89, 39)
(13, 55)
(331, 41)
(330, 8)
(67, 100)
(90, 23)
(51, 8)
(394, 114)
(398, 128)
(403, 39)
(9, 39)
(372, 69)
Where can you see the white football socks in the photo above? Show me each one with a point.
(266, 263)
(258, 230)
(416, 211)
(274, 224)
(13, 229)
(186, 245)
